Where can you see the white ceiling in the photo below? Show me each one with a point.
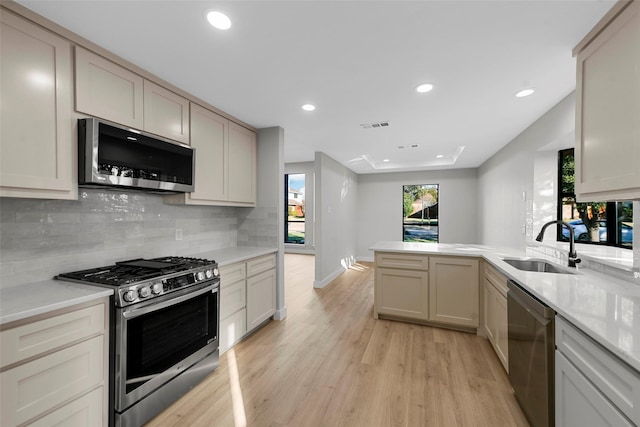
(358, 62)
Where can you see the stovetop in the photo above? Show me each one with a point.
(144, 279)
(136, 270)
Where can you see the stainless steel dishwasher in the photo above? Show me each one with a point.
(531, 355)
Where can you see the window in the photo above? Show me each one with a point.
(294, 224)
(604, 223)
(420, 213)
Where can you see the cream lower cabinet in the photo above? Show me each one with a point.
(261, 290)
(37, 153)
(608, 111)
(55, 368)
(233, 304)
(401, 285)
(495, 321)
(592, 386)
(453, 291)
(247, 297)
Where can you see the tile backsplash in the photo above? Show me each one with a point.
(41, 238)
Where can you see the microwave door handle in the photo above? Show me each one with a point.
(159, 306)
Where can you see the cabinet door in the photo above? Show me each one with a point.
(107, 90)
(496, 322)
(579, 403)
(165, 113)
(209, 137)
(402, 293)
(453, 291)
(242, 164)
(261, 298)
(608, 112)
(37, 157)
(42, 384)
(232, 329)
(87, 410)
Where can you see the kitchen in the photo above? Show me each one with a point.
(125, 226)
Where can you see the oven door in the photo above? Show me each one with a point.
(158, 340)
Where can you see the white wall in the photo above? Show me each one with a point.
(308, 169)
(337, 213)
(506, 180)
(380, 206)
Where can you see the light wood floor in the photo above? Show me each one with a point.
(329, 363)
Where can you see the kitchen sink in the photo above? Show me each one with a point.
(537, 265)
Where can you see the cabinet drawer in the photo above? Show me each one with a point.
(258, 265)
(232, 298)
(497, 279)
(579, 403)
(82, 412)
(39, 337)
(229, 274)
(232, 329)
(617, 381)
(404, 261)
(42, 384)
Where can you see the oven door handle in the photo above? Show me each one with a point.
(159, 306)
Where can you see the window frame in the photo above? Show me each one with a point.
(612, 209)
(437, 212)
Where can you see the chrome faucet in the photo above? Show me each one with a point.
(573, 256)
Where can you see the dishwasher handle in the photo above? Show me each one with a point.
(529, 302)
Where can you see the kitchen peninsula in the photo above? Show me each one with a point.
(597, 325)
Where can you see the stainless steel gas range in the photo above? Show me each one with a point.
(164, 331)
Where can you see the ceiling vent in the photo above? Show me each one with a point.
(374, 125)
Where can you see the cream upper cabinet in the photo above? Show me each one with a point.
(209, 137)
(453, 291)
(242, 165)
(225, 162)
(107, 90)
(165, 113)
(608, 111)
(36, 145)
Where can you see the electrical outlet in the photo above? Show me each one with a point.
(178, 233)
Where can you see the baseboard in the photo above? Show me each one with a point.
(365, 259)
(280, 314)
(319, 284)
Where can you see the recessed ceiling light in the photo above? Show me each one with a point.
(308, 107)
(439, 156)
(386, 160)
(424, 87)
(219, 20)
(524, 92)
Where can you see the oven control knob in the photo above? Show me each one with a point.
(144, 292)
(209, 274)
(200, 275)
(129, 296)
(156, 288)
(216, 272)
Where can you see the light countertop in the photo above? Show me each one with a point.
(605, 308)
(23, 301)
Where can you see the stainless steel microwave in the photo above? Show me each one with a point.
(118, 156)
